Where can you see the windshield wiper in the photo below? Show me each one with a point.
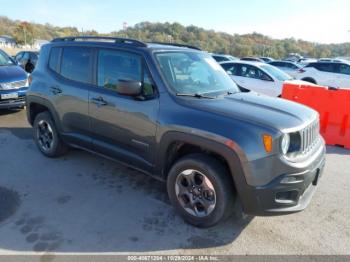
(195, 95)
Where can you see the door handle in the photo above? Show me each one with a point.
(99, 101)
(56, 90)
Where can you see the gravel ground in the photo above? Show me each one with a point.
(82, 203)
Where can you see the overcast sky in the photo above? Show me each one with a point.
(324, 21)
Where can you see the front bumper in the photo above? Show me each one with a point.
(287, 193)
(13, 102)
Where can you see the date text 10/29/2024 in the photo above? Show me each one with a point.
(173, 258)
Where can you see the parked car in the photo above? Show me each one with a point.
(259, 77)
(293, 57)
(222, 58)
(252, 59)
(266, 59)
(305, 61)
(172, 112)
(27, 60)
(288, 67)
(330, 74)
(13, 83)
(335, 60)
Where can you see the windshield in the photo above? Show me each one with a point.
(5, 59)
(194, 73)
(276, 73)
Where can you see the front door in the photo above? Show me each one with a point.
(123, 127)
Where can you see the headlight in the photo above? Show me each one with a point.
(5, 86)
(285, 143)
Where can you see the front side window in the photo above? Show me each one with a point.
(76, 64)
(26, 56)
(114, 66)
(231, 69)
(220, 58)
(276, 73)
(19, 56)
(194, 73)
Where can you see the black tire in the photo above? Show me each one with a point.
(219, 178)
(56, 146)
(310, 80)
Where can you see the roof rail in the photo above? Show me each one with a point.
(178, 45)
(117, 40)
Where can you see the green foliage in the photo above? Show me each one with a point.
(237, 45)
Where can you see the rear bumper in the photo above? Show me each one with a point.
(288, 193)
(13, 102)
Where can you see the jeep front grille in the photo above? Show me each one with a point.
(309, 136)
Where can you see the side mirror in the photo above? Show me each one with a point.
(129, 87)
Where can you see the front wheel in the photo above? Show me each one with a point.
(201, 190)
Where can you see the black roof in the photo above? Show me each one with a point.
(120, 40)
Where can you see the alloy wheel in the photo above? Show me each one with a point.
(45, 135)
(195, 193)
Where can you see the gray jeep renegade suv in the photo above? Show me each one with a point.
(172, 112)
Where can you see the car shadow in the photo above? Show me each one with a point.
(84, 203)
(9, 111)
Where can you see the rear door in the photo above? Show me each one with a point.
(326, 74)
(123, 127)
(71, 68)
(343, 75)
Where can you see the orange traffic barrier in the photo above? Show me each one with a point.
(333, 105)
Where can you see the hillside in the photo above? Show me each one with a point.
(212, 41)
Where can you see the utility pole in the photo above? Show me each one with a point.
(25, 35)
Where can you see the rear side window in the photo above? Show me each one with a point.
(76, 64)
(325, 67)
(54, 60)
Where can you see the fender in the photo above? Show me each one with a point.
(231, 152)
(44, 102)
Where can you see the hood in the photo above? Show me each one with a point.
(11, 74)
(270, 112)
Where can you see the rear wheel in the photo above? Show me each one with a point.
(201, 190)
(46, 136)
